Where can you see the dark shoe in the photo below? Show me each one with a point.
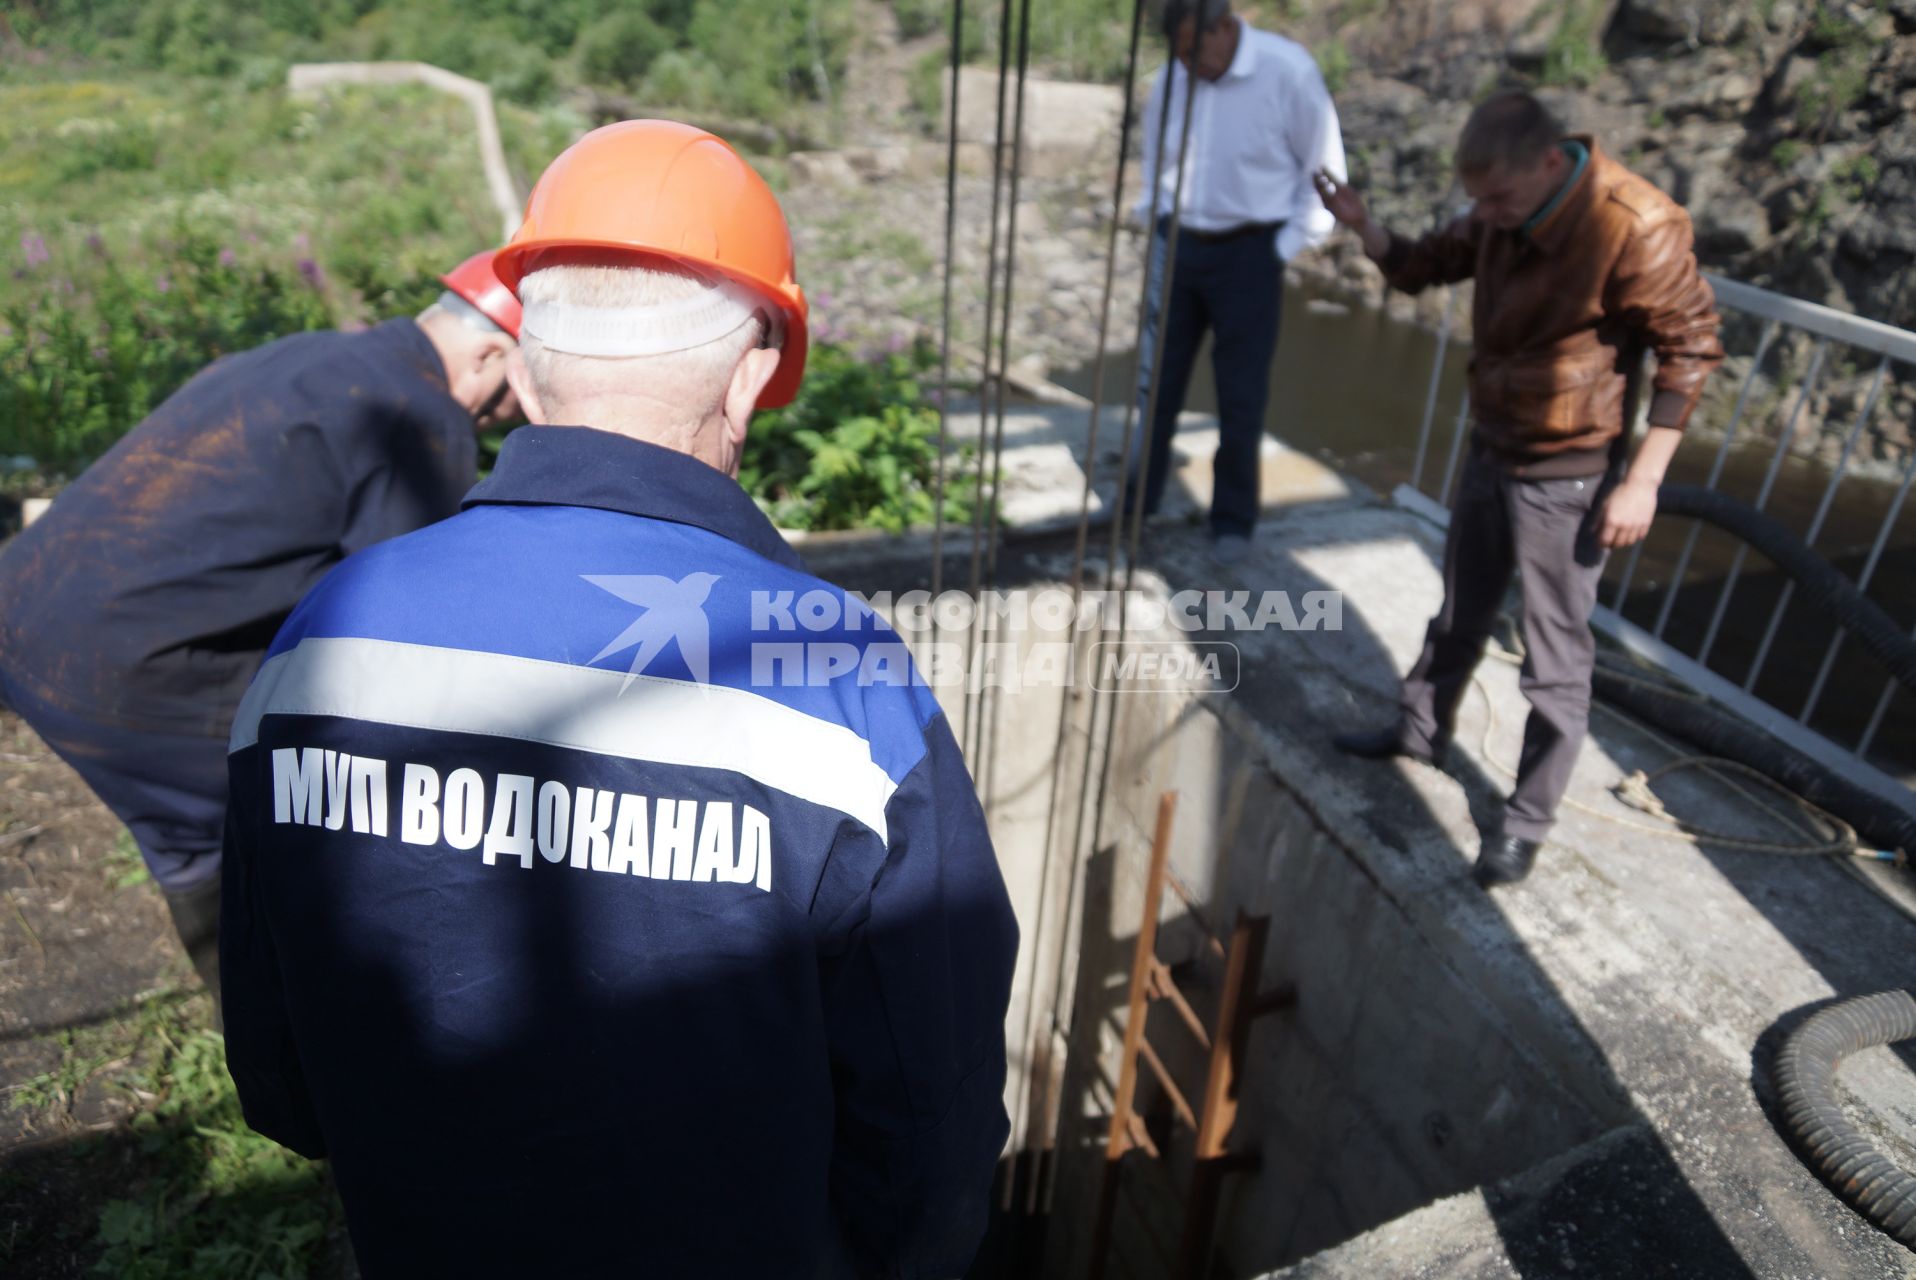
(1504, 860)
(1382, 744)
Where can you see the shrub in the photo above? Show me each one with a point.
(857, 449)
(621, 48)
(81, 362)
(89, 146)
(921, 17)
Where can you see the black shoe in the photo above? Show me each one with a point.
(1504, 860)
(1382, 744)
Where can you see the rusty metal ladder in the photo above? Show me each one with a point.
(1239, 1004)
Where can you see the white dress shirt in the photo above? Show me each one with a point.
(1258, 133)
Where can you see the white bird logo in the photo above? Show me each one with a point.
(674, 610)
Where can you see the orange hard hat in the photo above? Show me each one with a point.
(659, 189)
(477, 281)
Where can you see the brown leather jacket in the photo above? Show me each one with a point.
(1563, 313)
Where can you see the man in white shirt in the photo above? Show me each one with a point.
(1262, 124)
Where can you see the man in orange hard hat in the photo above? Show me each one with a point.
(134, 613)
(594, 910)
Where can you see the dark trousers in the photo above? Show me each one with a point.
(168, 788)
(1545, 531)
(1234, 289)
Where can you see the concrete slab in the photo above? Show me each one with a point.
(1046, 446)
(1567, 1077)
(1671, 963)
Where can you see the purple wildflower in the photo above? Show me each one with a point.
(94, 243)
(895, 343)
(100, 353)
(228, 258)
(312, 273)
(35, 249)
(164, 284)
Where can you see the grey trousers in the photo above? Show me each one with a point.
(1545, 531)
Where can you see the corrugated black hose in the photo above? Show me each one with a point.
(1814, 576)
(1805, 1075)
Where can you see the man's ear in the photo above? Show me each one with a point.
(520, 380)
(748, 383)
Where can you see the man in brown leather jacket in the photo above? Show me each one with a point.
(1580, 265)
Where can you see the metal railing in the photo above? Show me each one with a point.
(1783, 324)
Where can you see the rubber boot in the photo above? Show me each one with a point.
(196, 918)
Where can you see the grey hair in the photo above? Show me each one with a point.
(692, 382)
(451, 304)
(1207, 12)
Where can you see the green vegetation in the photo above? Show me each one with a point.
(1849, 181)
(927, 85)
(858, 448)
(79, 364)
(1574, 54)
(152, 227)
(1841, 79)
(1334, 60)
(754, 57)
(184, 1188)
(923, 17)
(124, 865)
(1069, 39)
(1838, 28)
(1853, 177)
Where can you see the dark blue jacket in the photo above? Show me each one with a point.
(146, 596)
(589, 935)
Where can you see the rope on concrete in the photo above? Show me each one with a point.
(1823, 833)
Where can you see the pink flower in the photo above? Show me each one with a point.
(228, 257)
(312, 273)
(35, 249)
(164, 284)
